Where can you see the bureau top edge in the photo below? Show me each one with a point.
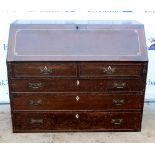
(78, 61)
(64, 22)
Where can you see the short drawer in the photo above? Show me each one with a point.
(44, 69)
(110, 69)
(72, 85)
(76, 121)
(76, 101)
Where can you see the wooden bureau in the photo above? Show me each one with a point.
(76, 75)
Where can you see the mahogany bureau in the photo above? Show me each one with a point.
(76, 75)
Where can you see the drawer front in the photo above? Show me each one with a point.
(44, 69)
(76, 101)
(102, 69)
(71, 85)
(76, 121)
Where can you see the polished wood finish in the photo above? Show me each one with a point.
(78, 76)
(44, 69)
(70, 85)
(76, 121)
(69, 69)
(77, 41)
(106, 69)
(77, 101)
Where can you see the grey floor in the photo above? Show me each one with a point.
(146, 135)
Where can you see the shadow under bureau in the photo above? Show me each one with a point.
(76, 75)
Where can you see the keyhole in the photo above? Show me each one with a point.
(77, 82)
(77, 98)
(77, 116)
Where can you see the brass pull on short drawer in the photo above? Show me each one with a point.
(35, 85)
(36, 121)
(35, 102)
(117, 121)
(118, 102)
(46, 71)
(119, 85)
(109, 70)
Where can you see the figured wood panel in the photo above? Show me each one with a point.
(76, 121)
(86, 41)
(110, 69)
(72, 85)
(44, 69)
(76, 101)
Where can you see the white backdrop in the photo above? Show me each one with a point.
(74, 10)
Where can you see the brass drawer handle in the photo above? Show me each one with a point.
(117, 121)
(35, 85)
(109, 70)
(36, 121)
(35, 102)
(119, 85)
(46, 71)
(118, 102)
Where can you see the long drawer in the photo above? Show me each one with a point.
(76, 101)
(76, 121)
(75, 85)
